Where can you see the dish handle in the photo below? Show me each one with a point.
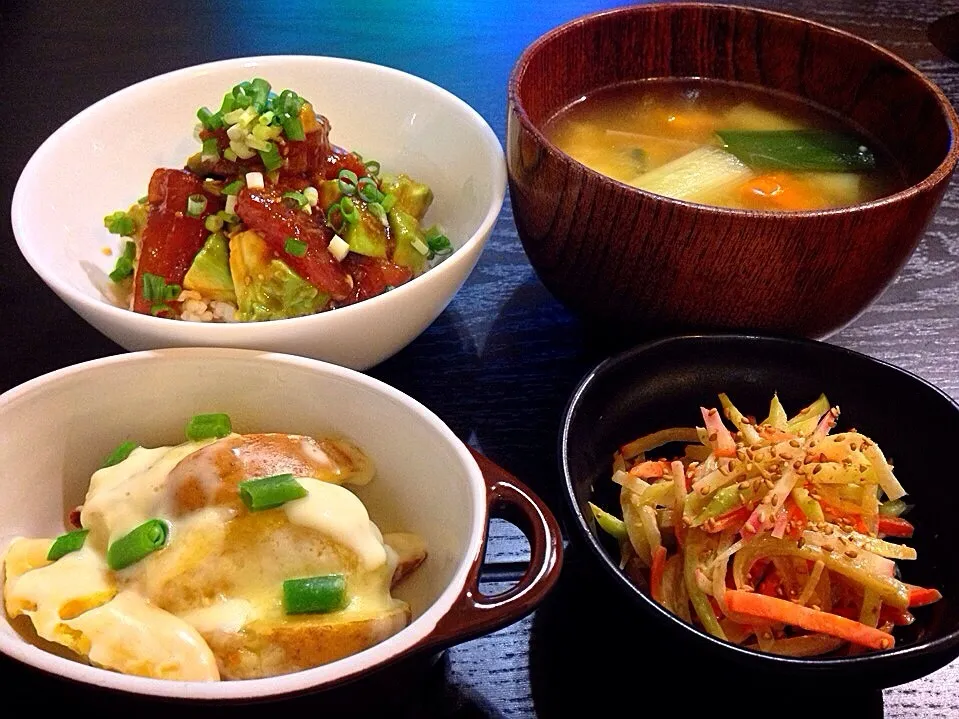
(475, 613)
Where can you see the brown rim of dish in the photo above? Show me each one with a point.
(934, 178)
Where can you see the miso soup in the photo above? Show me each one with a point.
(725, 144)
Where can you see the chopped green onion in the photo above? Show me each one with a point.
(295, 247)
(227, 217)
(333, 212)
(227, 104)
(233, 188)
(314, 595)
(143, 200)
(269, 492)
(266, 118)
(261, 92)
(124, 265)
(266, 132)
(257, 144)
(348, 210)
(156, 288)
(298, 197)
(233, 116)
(208, 426)
(420, 246)
(372, 168)
(388, 201)
(346, 182)
(210, 120)
(312, 196)
(367, 189)
(66, 543)
(271, 157)
(141, 542)
(294, 128)
(195, 205)
(213, 223)
(439, 245)
(228, 154)
(124, 450)
(120, 223)
(160, 308)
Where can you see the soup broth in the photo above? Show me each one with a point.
(724, 144)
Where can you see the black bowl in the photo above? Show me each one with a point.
(663, 384)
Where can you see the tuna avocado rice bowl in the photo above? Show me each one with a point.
(270, 220)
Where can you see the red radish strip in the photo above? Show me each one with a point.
(827, 422)
(762, 516)
(782, 520)
(656, 573)
(921, 596)
(895, 527)
(781, 610)
(647, 470)
(720, 438)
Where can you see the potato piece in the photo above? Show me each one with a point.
(410, 553)
(268, 648)
(210, 475)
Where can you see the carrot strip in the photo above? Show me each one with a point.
(647, 470)
(781, 610)
(732, 518)
(656, 573)
(895, 527)
(921, 596)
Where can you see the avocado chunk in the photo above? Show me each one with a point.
(327, 193)
(210, 272)
(412, 197)
(266, 287)
(406, 231)
(366, 236)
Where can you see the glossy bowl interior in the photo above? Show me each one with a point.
(102, 159)
(639, 261)
(663, 384)
(55, 430)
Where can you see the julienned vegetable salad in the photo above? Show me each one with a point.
(270, 220)
(772, 535)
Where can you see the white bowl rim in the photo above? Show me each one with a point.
(415, 634)
(227, 331)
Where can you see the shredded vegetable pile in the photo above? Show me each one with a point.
(771, 536)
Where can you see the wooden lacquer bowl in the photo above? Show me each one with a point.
(636, 260)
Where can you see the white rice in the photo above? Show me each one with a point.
(195, 308)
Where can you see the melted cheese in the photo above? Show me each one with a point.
(132, 636)
(59, 591)
(126, 495)
(338, 514)
(230, 615)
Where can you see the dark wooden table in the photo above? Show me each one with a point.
(499, 363)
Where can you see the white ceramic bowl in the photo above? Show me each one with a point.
(101, 161)
(54, 431)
